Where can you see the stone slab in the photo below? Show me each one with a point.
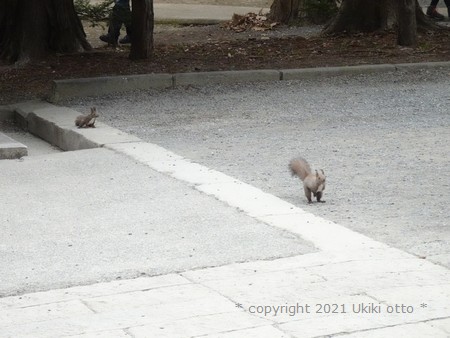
(11, 149)
(412, 330)
(424, 65)
(205, 78)
(97, 86)
(56, 125)
(313, 73)
(6, 113)
(66, 89)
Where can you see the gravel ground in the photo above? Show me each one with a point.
(383, 141)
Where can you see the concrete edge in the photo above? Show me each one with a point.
(56, 125)
(313, 73)
(226, 77)
(57, 135)
(97, 86)
(11, 149)
(6, 113)
(423, 65)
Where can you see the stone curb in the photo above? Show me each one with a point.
(64, 89)
(226, 77)
(97, 86)
(56, 125)
(11, 149)
(5, 113)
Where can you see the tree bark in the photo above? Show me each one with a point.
(369, 16)
(284, 11)
(358, 16)
(31, 29)
(407, 25)
(142, 22)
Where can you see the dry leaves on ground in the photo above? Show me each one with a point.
(250, 21)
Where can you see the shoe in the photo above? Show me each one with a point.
(125, 40)
(433, 13)
(106, 38)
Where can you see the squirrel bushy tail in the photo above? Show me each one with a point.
(299, 167)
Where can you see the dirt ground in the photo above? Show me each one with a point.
(211, 48)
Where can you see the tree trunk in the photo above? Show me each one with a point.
(407, 25)
(284, 11)
(31, 29)
(142, 22)
(369, 16)
(358, 16)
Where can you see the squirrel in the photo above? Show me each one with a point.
(312, 182)
(87, 121)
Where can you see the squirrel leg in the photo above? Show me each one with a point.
(319, 196)
(92, 124)
(307, 193)
(82, 125)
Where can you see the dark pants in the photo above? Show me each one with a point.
(120, 16)
(435, 2)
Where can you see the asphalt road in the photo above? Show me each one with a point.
(383, 141)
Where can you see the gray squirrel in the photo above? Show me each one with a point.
(312, 182)
(87, 121)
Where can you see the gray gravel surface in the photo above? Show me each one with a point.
(383, 141)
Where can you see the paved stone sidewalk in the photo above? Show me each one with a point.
(363, 293)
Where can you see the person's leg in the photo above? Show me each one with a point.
(447, 3)
(432, 12)
(126, 16)
(115, 24)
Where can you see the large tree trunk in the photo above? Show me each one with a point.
(369, 16)
(32, 29)
(284, 11)
(142, 22)
(360, 16)
(407, 25)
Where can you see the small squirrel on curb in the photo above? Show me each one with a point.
(312, 182)
(87, 121)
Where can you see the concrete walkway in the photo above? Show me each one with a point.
(335, 282)
(200, 14)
